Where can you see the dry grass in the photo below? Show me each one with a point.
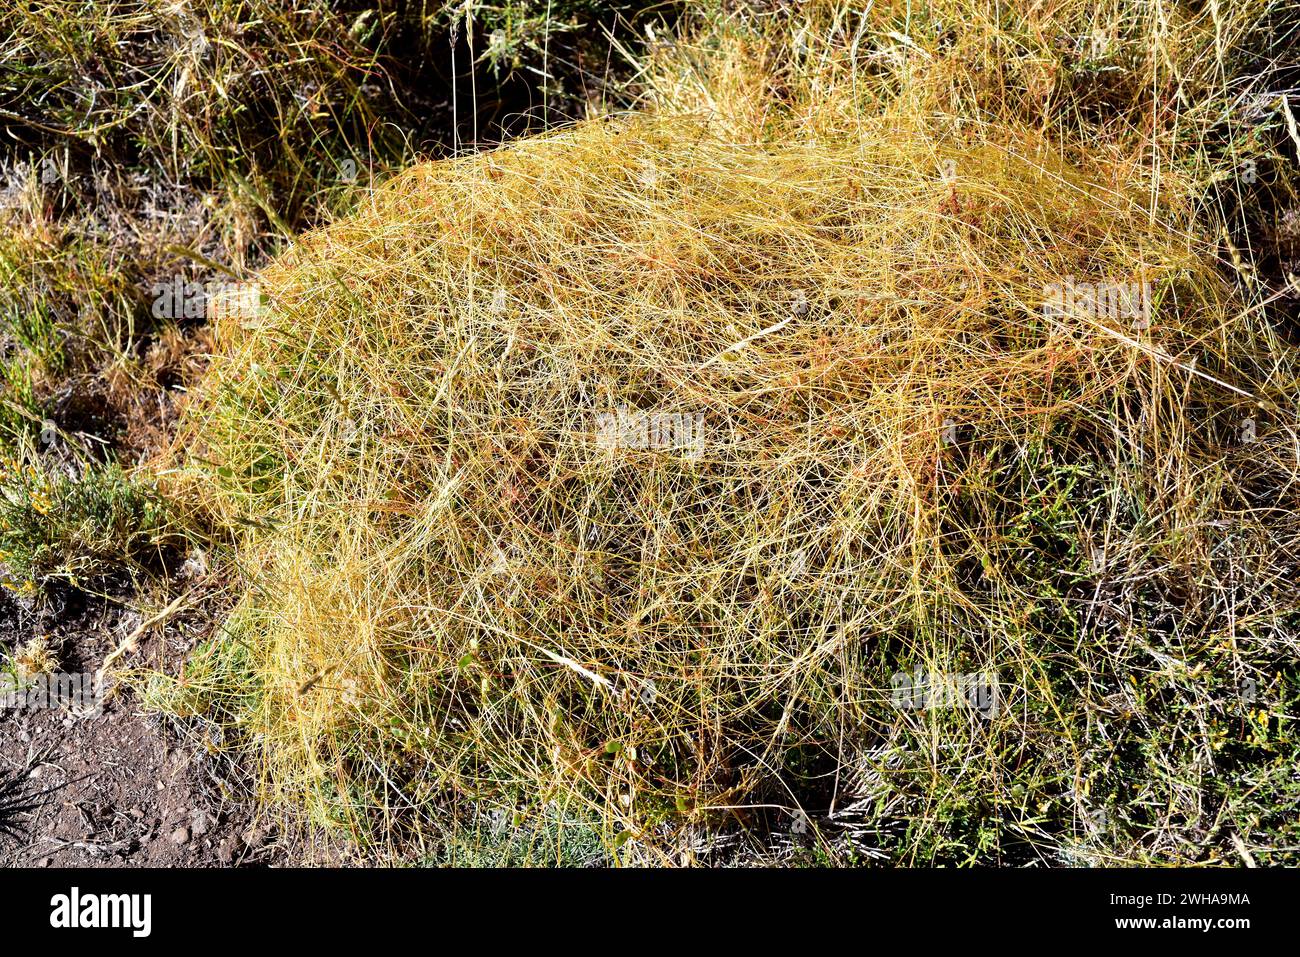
(34, 659)
(830, 237)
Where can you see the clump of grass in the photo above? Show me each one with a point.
(16, 802)
(33, 659)
(822, 252)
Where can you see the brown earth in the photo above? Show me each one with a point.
(124, 788)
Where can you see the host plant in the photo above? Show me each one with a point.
(830, 231)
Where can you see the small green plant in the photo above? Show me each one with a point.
(53, 525)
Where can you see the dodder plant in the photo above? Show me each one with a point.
(829, 235)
